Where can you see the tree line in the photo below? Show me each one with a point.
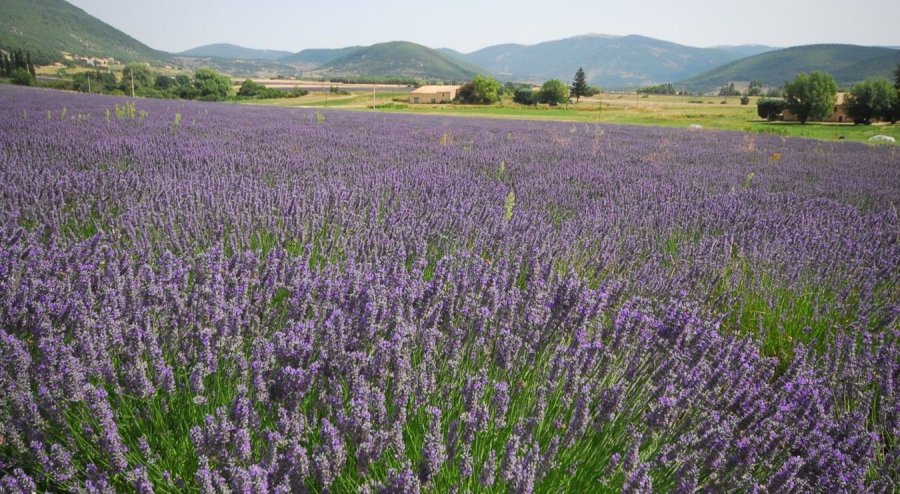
(18, 67)
(484, 90)
(814, 96)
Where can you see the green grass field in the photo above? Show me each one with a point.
(625, 109)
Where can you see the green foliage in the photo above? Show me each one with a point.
(139, 75)
(811, 96)
(46, 28)
(871, 99)
(554, 92)
(897, 76)
(250, 89)
(667, 88)
(580, 86)
(524, 96)
(164, 82)
(729, 90)
(769, 108)
(98, 81)
(755, 88)
(22, 77)
(509, 206)
(481, 90)
(16, 60)
(127, 111)
(745, 100)
(210, 85)
(254, 90)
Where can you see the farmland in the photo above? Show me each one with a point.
(710, 112)
(199, 297)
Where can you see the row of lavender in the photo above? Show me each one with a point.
(207, 297)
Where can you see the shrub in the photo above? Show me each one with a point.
(524, 96)
(769, 108)
(22, 77)
(554, 92)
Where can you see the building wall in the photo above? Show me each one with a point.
(838, 115)
(435, 97)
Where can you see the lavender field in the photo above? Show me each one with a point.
(212, 298)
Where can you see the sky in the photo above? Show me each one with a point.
(468, 25)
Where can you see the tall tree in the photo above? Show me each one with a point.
(580, 86)
(487, 90)
(554, 92)
(897, 76)
(211, 85)
(30, 65)
(874, 98)
(810, 96)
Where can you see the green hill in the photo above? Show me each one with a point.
(235, 52)
(608, 61)
(400, 59)
(317, 56)
(848, 64)
(46, 28)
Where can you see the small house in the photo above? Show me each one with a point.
(433, 94)
(838, 113)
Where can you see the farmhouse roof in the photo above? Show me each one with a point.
(434, 89)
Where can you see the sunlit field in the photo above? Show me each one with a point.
(203, 297)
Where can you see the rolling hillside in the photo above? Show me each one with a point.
(746, 50)
(227, 50)
(46, 28)
(317, 56)
(608, 61)
(400, 59)
(848, 64)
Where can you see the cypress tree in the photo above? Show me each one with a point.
(30, 65)
(580, 86)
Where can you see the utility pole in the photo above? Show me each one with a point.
(89, 83)
(132, 83)
(373, 96)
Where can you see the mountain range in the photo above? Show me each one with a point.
(848, 64)
(48, 28)
(227, 50)
(608, 61)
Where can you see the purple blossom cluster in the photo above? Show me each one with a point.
(260, 300)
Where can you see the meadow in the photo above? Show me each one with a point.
(202, 297)
(710, 112)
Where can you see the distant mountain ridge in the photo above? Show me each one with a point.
(746, 50)
(47, 28)
(848, 64)
(318, 56)
(400, 59)
(228, 50)
(609, 61)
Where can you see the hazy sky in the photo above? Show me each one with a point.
(467, 25)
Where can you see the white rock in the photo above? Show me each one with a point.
(696, 126)
(882, 138)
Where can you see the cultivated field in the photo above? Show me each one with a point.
(615, 108)
(200, 297)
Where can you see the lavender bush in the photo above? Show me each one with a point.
(267, 300)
